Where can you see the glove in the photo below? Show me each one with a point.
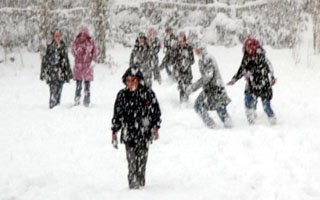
(231, 82)
(273, 81)
(247, 75)
(114, 140)
(155, 133)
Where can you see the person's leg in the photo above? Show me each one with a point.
(59, 92)
(142, 157)
(86, 100)
(203, 112)
(132, 167)
(78, 92)
(54, 93)
(156, 69)
(268, 110)
(51, 97)
(250, 105)
(224, 116)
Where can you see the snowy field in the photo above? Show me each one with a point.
(66, 153)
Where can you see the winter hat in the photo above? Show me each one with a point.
(84, 30)
(56, 30)
(133, 71)
(141, 34)
(168, 29)
(250, 46)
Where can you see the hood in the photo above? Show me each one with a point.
(84, 30)
(133, 71)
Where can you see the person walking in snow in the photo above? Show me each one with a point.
(140, 56)
(213, 95)
(137, 114)
(154, 44)
(258, 72)
(170, 43)
(85, 53)
(55, 68)
(182, 66)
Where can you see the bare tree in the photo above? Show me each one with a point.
(43, 18)
(99, 13)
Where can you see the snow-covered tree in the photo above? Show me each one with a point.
(99, 13)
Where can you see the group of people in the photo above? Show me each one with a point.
(56, 69)
(137, 112)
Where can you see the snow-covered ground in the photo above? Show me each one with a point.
(66, 153)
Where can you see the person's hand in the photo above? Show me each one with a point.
(114, 140)
(274, 81)
(231, 82)
(155, 133)
(248, 75)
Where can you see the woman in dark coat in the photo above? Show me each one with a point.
(137, 114)
(55, 68)
(258, 72)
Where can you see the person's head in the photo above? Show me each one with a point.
(142, 38)
(83, 33)
(250, 46)
(133, 78)
(199, 48)
(182, 38)
(57, 36)
(168, 31)
(152, 33)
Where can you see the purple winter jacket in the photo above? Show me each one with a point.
(84, 53)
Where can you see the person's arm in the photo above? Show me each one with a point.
(117, 119)
(118, 113)
(206, 76)
(44, 65)
(270, 72)
(240, 73)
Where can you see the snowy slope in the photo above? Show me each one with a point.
(66, 154)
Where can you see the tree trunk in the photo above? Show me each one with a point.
(100, 17)
(316, 31)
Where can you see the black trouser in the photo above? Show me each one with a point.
(55, 93)
(86, 99)
(167, 63)
(137, 160)
(184, 80)
(156, 68)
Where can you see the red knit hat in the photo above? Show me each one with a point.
(250, 46)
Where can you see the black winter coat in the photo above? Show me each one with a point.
(259, 75)
(136, 113)
(55, 64)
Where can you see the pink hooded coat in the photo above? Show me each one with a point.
(84, 53)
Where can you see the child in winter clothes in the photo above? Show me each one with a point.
(213, 95)
(170, 44)
(137, 114)
(55, 68)
(258, 72)
(85, 53)
(154, 44)
(182, 66)
(140, 56)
